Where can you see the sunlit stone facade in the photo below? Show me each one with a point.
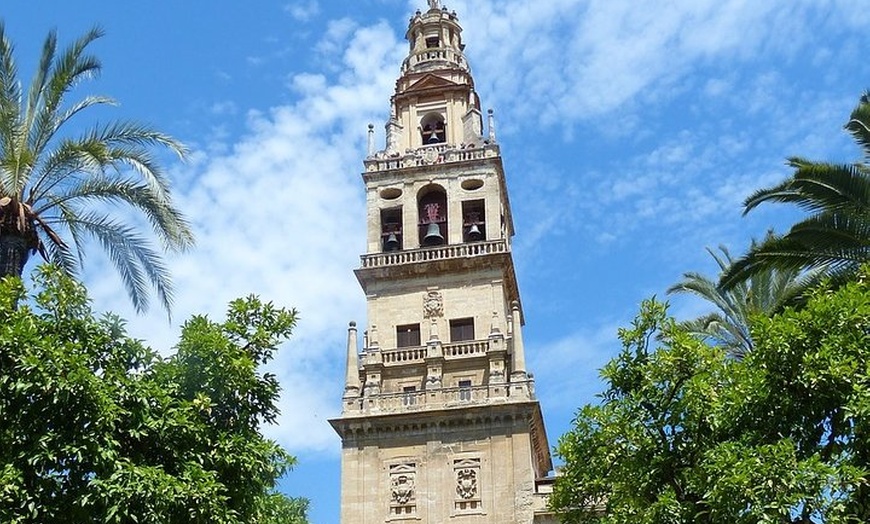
(439, 421)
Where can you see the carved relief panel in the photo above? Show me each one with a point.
(403, 490)
(467, 486)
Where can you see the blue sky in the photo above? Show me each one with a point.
(631, 132)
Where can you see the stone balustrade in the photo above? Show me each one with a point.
(407, 355)
(417, 354)
(472, 348)
(437, 55)
(428, 155)
(411, 256)
(439, 398)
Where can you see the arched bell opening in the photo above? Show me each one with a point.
(391, 229)
(433, 130)
(473, 221)
(432, 209)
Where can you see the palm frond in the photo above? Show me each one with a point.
(817, 186)
(834, 240)
(783, 254)
(65, 72)
(859, 125)
(10, 89)
(110, 147)
(169, 224)
(69, 186)
(702, 287)
(136, 261)
(837, 235)
(10, 104)
(38, 87)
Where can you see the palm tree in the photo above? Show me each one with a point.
(835, 238)
(763, 293)
(56, 190)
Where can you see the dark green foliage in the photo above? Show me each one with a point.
(686, 434)
(96, 427)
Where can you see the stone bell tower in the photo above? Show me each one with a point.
(439, 420)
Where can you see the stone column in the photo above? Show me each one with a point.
(394, 135)
(518, 362)
(351, 382)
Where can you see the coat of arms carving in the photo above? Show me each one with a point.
(466, 483)
(433, 305)
(402, 489)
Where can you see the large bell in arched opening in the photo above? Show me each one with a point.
(474, 234)
(433, 235)
(392, 242)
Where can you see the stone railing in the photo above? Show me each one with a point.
(434, 55)
(472, 348)
(395, 258)
(439, 398)
(403, 355)
(428, 155)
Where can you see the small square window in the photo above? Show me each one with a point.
(461, 329)
(408, 335)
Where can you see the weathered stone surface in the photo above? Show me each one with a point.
(439, 421)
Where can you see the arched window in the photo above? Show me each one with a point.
(432, 209)
(473, 221)
(391, 229)
(433, 129)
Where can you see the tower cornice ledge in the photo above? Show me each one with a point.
(422, 426)
(423, 157)
(397, 265)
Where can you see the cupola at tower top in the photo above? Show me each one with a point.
(435, 39)
(435, 103)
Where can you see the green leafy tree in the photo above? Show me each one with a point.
(685, 434)
(58, 191)
(763, 293)
(97, 428)
(835, 237)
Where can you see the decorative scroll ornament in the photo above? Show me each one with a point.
(466, 483)
(403, 489)
(433, 305)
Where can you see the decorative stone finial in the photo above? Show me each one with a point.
(434, 4)
(491, 125)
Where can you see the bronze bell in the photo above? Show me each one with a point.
(392, 242)
(433, 235)
(474, 233)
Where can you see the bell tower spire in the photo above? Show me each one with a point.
(434, 101)
(440, 421)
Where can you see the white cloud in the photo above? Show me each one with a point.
(303, 11)
(281, 214)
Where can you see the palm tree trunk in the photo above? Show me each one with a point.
(14, 252)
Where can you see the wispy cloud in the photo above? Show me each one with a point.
(281, 214)
(654, 124)
(303, 10)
